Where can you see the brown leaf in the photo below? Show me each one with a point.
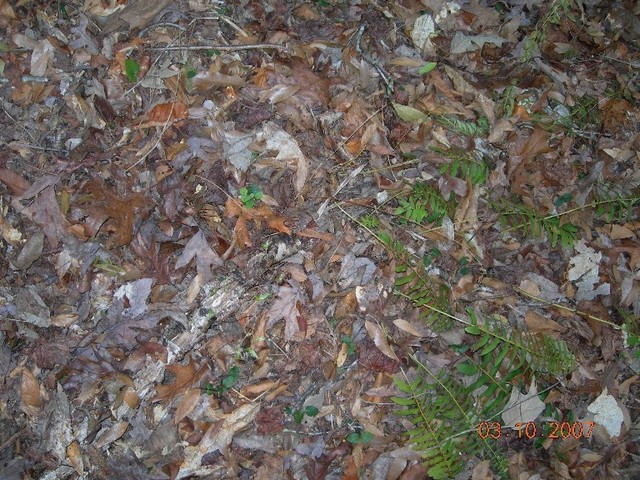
(189, 401)
(30, 402)
(6, 10)
(137, 14)
(380, 339)
(185, 377)
(75, 457)
(111, 434)
(537, 323)
(165, 113)
(286, 306)
(260, 213)
(217, 438)
(206, 258)
(45, 211)
(120, 210)
(16, 182)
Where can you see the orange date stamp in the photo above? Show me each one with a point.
(551, 429)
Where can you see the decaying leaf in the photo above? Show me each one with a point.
(522, 408)
(289, 152)
(287, 305)
(380, 339)
(607, 413)
(30, 394)
(217, 438)
(206, 258)
(137, 14)
(109, 435)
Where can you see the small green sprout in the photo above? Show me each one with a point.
(250, 196)
(359, 437)
(298, 415)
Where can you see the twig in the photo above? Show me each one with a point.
(222, 48)
(568, 309)
(12, 438)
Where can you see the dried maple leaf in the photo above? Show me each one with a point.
(206, 258)
(185, 377)
(286, 306)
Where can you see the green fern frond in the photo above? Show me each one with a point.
(464, 165)
(444, 423)
(467, 128)
(514, 352)
(427, 294)
(528, 221)
(615, 203)
(424, 204)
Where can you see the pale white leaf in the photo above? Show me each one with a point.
(522, 408)
(607, 413)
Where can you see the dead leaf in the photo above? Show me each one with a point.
(74, 455)
(16, 182)
(120, 210)
(537, 323)
(522, 408)
(380, 339)
(289, 152)
(137, 14)
(405, 326)
(30, 402)
(260, 213)
(217, 438)
(482, 471)
(287, 306)
(185, 377)
(188, 402)
(607, 413)
(165, 114)
(206, 258)
(111, 434)
(31, 251)
(6, 10)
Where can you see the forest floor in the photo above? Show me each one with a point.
(269, 239)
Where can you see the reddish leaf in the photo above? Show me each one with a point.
(185, 377)
(16, 182)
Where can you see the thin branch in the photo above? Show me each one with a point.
(222, 48)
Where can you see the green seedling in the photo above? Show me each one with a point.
(227, 382)
(351, 347)
(361, 437)
(110, 268)
(261, 297)
(428, 258)
(132, 69)
(427, 67)
(464, 266)
(298, 415)
(250, 196)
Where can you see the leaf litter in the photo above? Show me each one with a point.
(429, 185)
